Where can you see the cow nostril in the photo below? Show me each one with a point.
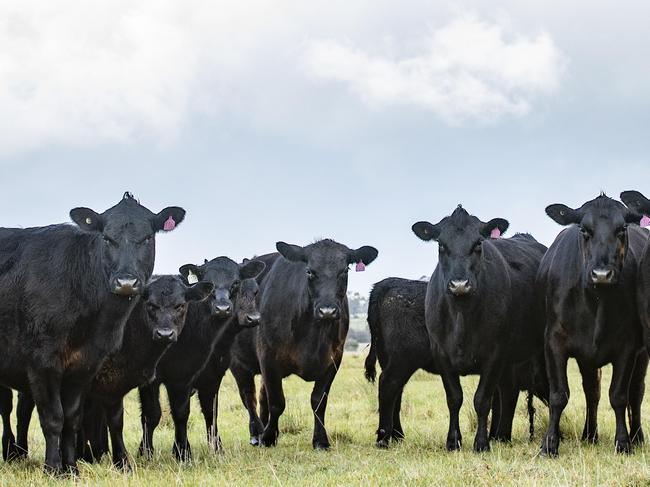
(164, 334)
(459, 286)
(255, 318)
(602, 276)
(327, 312)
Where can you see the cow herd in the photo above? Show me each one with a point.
(83, 321)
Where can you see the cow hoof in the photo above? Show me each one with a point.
(397, 436)
(383, 443)
(638, 438)
(122, 464)
(591, 438)
(15, 453)
(624, 447)
(549, 451)
(481, 445)
(453, 444)
(269, 439)
(321, 445)
(182, 454)
(144, 452)
(255, 441)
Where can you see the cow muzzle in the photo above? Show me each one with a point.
(327, 313)
(459, 287)
(602, 276)
(166, 335)
(126, 285)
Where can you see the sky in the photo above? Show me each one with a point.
(286, 120)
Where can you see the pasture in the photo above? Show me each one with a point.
(353, 459)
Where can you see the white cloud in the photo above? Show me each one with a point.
(75, 73)
(467, 70)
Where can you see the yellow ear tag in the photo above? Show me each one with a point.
(88, 221)
(191, 278)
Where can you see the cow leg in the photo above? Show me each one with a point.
(46, 391)
(556, 364)
(264, 405)
(179, 404)
(209, 400)
(24, 411)
(636, 393)
(319, 397)
(115, 418)
(391, 385)
(591, 387)
(454, 393)
(275, 394)
(72, 399)
(622, 370)
(487, 385)
(505, 401)
(246, 386)
(9, 450)
(398, 432)
(150, 417)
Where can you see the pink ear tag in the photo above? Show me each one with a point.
(169, 225)
(360, 267)
(645, 221)
(496, 233)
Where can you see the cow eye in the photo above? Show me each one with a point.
(621, 233)
(234, 287)
(310, 274)
(179, 307)
(478, 247)
(585, 233)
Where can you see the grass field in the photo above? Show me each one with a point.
(353, 459)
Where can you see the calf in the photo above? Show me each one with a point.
(181, 366)
(480, 309)
(66, 293)
(400, 341)
(587, 281)
(305, 320)
(208, 383)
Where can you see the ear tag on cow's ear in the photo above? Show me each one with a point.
(192, 278)
(645, 221)
(495, 233)
(170, 224)
(89, 221)
(360, 267)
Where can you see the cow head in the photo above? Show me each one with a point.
(603, 236)
(226, 276)
(460, 240)
(165, 300)
(326, 270)
(246, 309)
(126, 237)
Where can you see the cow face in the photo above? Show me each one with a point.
(326, 271)
(247, 312)
(226, 276)
(603, 236)
(126, 239)
(460, 240)
(165, 300)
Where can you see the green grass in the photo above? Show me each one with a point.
(353, 459)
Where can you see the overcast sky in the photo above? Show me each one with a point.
(280, 120)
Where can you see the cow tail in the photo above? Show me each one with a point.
(373, 324)
(531, 414)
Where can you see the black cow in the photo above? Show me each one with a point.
(480, 309)
(400, 341)
(640, 204)
(305, 320)
(208, 383)
(65, 295)
(182, 364)
(587, 280)
(154, 325)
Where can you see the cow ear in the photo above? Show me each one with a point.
(191, 273)
(251, 269)
(636, 202)
(199, 291)
(168, 218)
(365, 254)
(495, 226)
(563, 215)
(291, 252)
(426, 231)
(87, 219)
